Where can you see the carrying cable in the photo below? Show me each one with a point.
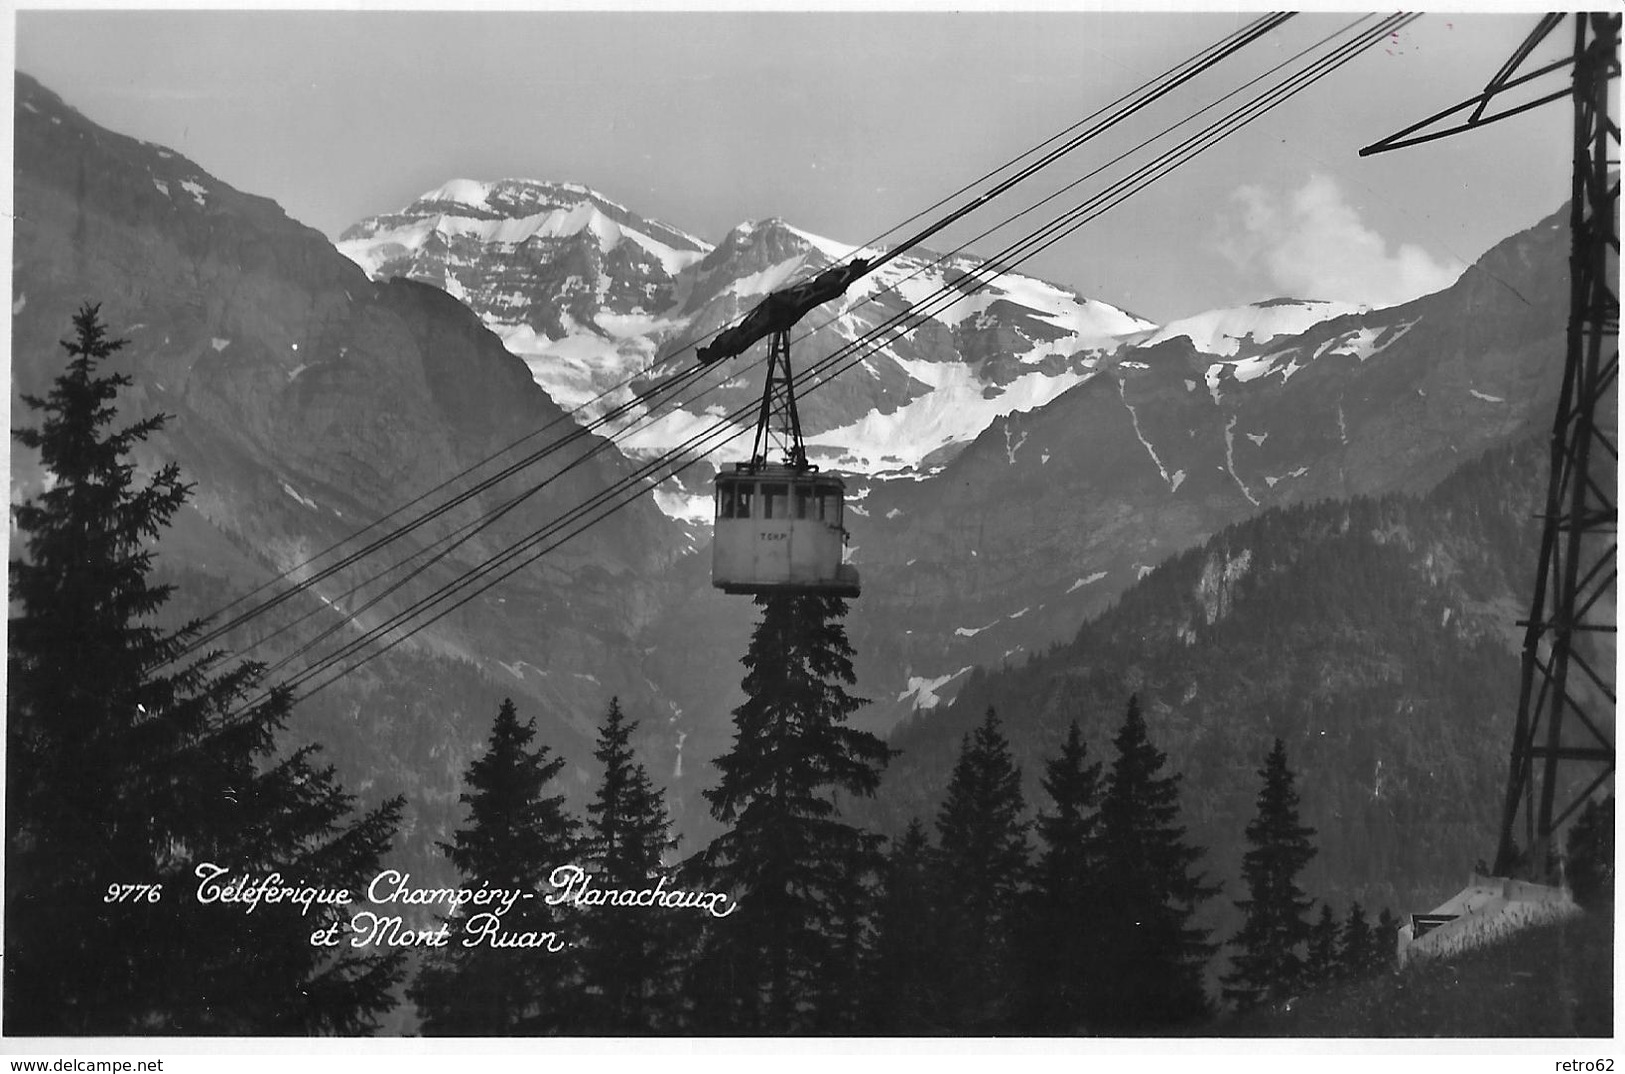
(428, 516)
(450, 542)
(1171, 72)
(1156, 168)
(1064, 225)
(1244, 38)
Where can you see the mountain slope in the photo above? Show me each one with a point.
(1052, 513)
(307, 401)
(1374, 636)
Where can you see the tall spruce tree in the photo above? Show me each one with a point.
(627, 952)
(1059, 942)
(905, 997)
(981, 873)
(1152, 956)
(787, 857)
(122, 773)
(517, 834)
(1267, 965)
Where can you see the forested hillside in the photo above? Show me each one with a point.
(1374, 636)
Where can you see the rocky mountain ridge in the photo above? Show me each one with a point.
(589, 317)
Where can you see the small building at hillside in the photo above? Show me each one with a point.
(1488, 908)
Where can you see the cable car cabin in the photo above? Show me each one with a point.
(778, 530)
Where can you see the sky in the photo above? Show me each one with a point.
(845, 124)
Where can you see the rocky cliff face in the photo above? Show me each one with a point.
(554, 267)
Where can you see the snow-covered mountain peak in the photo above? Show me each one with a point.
(925, 350)
(509, 212)
(771, 238)
(513, 197)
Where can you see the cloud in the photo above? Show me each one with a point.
(1311, 243)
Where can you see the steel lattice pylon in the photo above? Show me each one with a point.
(1562, 747)
(1566, 700)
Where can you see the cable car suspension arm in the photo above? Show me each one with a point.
(779, 401)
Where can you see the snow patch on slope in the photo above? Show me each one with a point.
(1362, 343)
(1223, 331)
(1088, 580)
(924, 690)
(1134, 419)
(955, 411)
(1009, 448)
(1230, 459)
(305, 500)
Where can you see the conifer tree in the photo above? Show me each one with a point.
(1321, 964)
(906, 994)
(981, 872)
(787, 857)
(516, 836)
(1059, 943)
(628, 952)
(1152, 957)
(1267, 965)
(130, 762)
(1355, 944)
